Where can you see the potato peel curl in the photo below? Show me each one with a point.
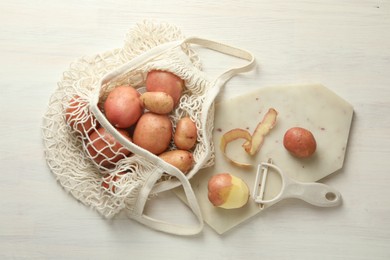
(231, 136)
(253, 142)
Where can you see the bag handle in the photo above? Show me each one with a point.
(181, 178)
(168, 227)
(229, 50)
(150, 184)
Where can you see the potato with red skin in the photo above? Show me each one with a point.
(227, 191)
(164, 81)
(105, 149)
(300, 142)
(110, 180)
(107, 180)
(123, 106)
(78, 116)
(153, 132)
(183, 160)
(185, 134)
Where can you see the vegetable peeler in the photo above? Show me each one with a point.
(317, 194)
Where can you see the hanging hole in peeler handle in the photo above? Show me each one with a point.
(330, 196)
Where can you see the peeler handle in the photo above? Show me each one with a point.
(317, 194)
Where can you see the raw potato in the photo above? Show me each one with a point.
(78, 116)
(183, 160)
(164, 81)
(109, 181)
(227, 191)
(105, 149)
(123, 106)
(300, 142)
(157, 102)
(153, 132)
(185, 134)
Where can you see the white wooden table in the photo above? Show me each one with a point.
(342, 44)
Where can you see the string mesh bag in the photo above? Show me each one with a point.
(96, 162)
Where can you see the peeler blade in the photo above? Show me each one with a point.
(260, 182)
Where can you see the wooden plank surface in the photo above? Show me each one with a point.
(342, 44)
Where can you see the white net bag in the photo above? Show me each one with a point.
(97, 162)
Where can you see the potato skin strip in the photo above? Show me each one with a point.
(231, 136)
(262, 129)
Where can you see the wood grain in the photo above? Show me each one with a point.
(342, 44)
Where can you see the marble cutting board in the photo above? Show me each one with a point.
(311, 106)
